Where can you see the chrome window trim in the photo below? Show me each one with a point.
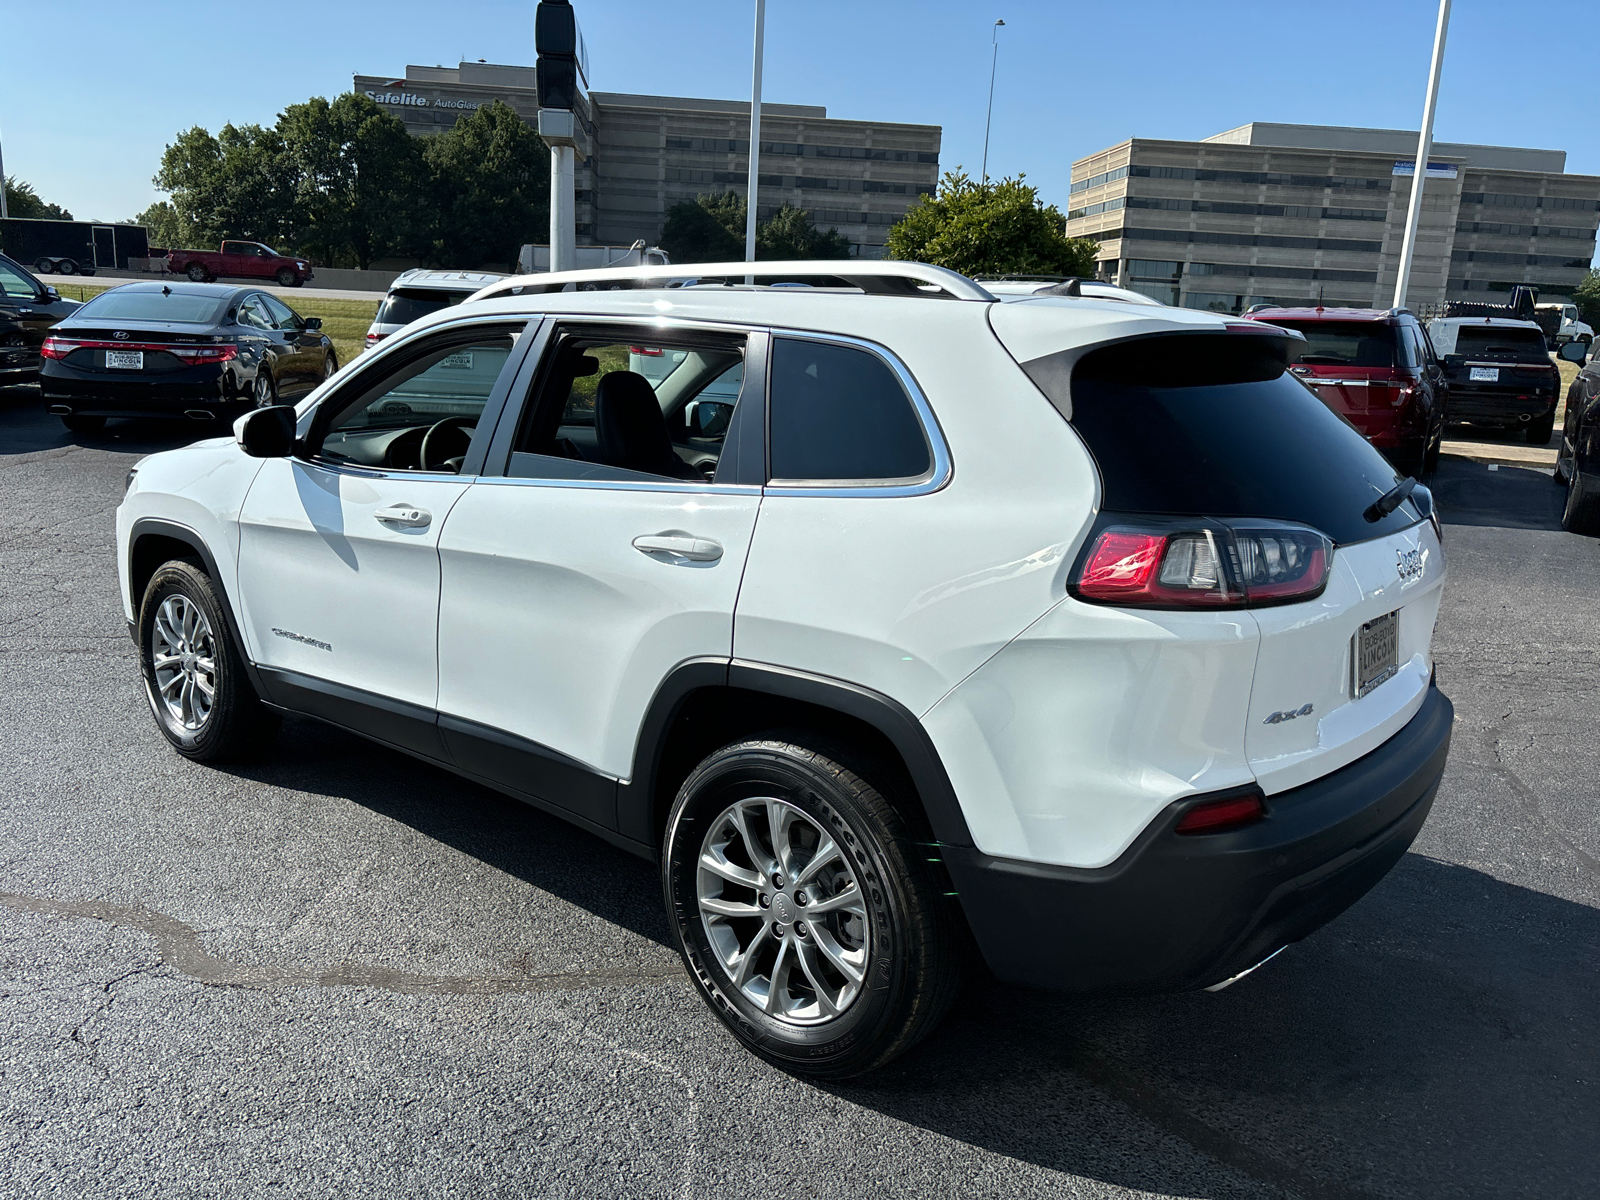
(938, 475)
(382, 472)
(683, 486)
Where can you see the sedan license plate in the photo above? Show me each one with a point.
(1485, 375)
(1377, 652)
(125, 360)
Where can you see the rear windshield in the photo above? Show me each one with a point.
(1211, 426)
(1486, 339)
(405, 305)
(153, 306)
(1345, 343)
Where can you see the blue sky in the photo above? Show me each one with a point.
(87, 129)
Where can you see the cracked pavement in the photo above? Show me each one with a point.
(339, 972)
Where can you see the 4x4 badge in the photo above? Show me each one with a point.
(1288, 714)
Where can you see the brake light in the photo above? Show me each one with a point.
(1216, 816)
(647, 351)
(1213, 564)
(374, 338)
(57, 348)
(190, 352)
(195, 355)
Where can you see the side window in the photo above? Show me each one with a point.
(282, 316)
(840, 413)
(254, 314)
(1428, 356)
(419, 414)
(238, 248)
(608, 405)
(1407, 347)
(15, 285)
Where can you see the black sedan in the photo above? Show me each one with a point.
(28, 310)
(196, 350)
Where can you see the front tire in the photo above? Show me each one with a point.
(194, 676)
(285, 277)
(805, 909)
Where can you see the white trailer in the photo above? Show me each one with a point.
(537, 258)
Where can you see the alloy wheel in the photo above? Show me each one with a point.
(263, 390)
(783, 911)
(183, 654)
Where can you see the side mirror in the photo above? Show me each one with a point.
(313, 322)
(266, 432)
(51, 295)
(1574, 352)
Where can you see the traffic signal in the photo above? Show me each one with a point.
(555, 37)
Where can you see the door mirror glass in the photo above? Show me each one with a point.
(313, 322)
(51, 295)
(1574, 352)
(266, 432)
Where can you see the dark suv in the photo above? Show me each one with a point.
(1378, 370)
(1500, 374)
(28, 311)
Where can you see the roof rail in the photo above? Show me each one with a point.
(874, 278)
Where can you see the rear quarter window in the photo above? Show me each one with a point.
(1205, 425)
(404, 306)
(840, 413)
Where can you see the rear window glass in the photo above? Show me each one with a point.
(119, 304)
(839, 413)
(1203, 426)
(403, 306)
(1486, 339)
(1345, 343)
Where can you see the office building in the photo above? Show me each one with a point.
(1292, 214)
(640, 155)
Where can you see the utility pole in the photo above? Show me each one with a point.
(994, 59)
(755, 138)
(1419, 174)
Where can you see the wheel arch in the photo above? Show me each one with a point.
(707, 703)
(153, 541)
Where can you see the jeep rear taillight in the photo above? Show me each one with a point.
(1214, 564)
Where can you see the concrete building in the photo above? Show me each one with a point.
(639, 155)
(1294, 213)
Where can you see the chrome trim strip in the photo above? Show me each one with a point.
(1314, 382)
(365, 472)
(937, 477)
(682, 486)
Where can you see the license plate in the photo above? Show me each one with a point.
(1485, 375)
(1377, 652)
(125, 360)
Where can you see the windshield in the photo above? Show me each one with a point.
(1486, 339)
(121, 304)
(1344, 343)
(1210, 426)
(405, 305)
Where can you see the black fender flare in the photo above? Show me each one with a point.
(160, 527)
(636, 816)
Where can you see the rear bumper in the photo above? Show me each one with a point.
(1177, 912)
(98, 394)
(1498, 406)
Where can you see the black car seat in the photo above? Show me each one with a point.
(631, 431)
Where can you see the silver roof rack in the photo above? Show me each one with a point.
(873, 278)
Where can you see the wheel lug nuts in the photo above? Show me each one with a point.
(777, 881)
(800, 898)
(763, 899)
(800, 928)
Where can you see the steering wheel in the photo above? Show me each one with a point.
(433, 442)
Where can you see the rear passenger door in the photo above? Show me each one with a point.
(574, 585)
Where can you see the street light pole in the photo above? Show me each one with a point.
(755, 136)
(994, 59)
(1419, 173)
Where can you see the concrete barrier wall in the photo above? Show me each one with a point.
(325, 277)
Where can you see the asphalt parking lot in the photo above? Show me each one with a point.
(342, 973)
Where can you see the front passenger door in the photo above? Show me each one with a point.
(338, 547)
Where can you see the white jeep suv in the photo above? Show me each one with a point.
(1075, 624)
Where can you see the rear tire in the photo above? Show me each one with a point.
(198, 273)
(264, 391)
(1541, 429)
(67, 267)
(77, 424)
(1582, 511)
(854, 989)
(194, 676)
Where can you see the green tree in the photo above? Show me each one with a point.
(707, 229)
(490, 185)
(22, 201)
(356, 175)
(1587, 297)
(791, 235)
(166, 226)
(238, 184)
(994, 228)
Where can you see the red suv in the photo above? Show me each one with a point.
(1378, 370)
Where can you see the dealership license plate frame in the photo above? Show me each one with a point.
(1375, 653)
(125, 360)
(1485, 375)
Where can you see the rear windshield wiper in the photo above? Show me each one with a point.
(1390, 500)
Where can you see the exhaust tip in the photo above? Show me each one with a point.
(200, 414)
(1524, 417)
(59, 410)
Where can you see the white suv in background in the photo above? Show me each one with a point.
(1081, 624)
(417, 294)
